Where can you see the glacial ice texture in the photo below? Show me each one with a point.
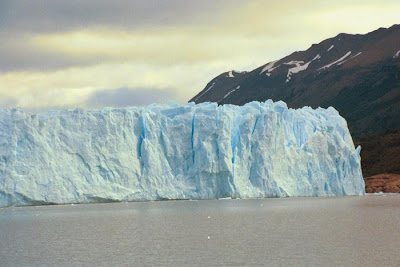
(175, 151)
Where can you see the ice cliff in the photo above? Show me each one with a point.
(175, 151)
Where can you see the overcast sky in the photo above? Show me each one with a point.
(81, 53)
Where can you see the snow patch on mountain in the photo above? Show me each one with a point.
(208, 89)
(294, 62)
(269, 68)
(299, 67)
(172, 151)
(230, 74)
(230, 92)
(330, 48)
(336, 62)
(356, 55)
(397, 54)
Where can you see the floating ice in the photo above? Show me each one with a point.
(172, 151)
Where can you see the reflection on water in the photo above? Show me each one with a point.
(290, 231)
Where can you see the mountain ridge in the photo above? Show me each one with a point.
(357, 74)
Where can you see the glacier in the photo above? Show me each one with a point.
(172, 151)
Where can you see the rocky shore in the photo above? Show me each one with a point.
(386, 183)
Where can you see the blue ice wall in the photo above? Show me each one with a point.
(175, 151)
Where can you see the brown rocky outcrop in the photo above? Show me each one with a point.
(386, 183)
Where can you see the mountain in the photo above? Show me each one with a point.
(381, 153)
(359, 75)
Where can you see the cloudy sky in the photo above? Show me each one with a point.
(81, 53)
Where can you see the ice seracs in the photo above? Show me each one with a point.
(173, 151)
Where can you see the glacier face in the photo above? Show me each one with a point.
(175, 151)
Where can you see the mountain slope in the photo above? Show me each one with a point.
(359, 75)
(381, 153)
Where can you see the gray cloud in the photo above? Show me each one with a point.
(123, 97)
(60, 15)
(20, 19)
(16, 56)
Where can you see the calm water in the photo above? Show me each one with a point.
(291, 231)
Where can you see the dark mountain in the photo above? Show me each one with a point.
(359, 75)
(380, 153)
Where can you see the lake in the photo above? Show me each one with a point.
(281, 231)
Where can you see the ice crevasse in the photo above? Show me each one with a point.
(172, 151)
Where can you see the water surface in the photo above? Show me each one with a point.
(288, 231)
